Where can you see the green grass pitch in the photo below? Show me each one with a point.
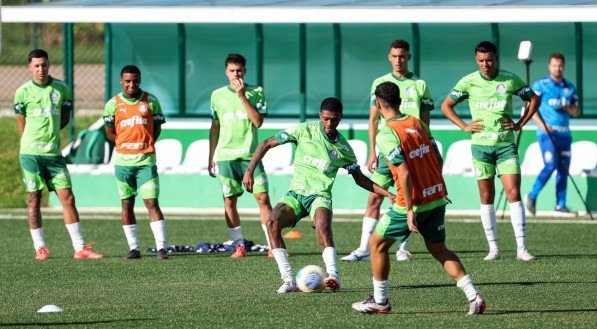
(558, 290)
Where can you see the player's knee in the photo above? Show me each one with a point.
(262, 199)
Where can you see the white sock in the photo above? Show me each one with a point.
(74, 230)
(489, 225)
(159, 233)
(467, 286)
(403, 245)
(130, 232)
(329, 258)
(518, 219)
(38, 238)
(368, 227)
(264, 228)
(236, 234)
(281, 257)
(380, 291)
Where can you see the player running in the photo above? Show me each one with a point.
(417, 102)
(320, 151)
(43, 106)
(489, 92)
(420, 203)
(133, 120)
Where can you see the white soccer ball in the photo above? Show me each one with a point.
(310, 278)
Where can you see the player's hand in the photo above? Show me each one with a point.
(474, 127)
(508, 124)
(211, 168)
(372, 162)
(392, 198)
(248, 181)
(239, 86)
(411, 220)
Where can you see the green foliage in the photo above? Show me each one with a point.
(558, 290)
(12, 194)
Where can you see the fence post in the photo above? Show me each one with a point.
(68, 67)
(108, 60)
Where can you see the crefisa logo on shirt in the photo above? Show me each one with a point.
(501, 89)
(143, 108)
(54, 96)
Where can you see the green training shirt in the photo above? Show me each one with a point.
(317, 158)
(491, 102)
(413, 91)
(42, 107)
(238, 135)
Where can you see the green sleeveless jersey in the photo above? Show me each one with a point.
(491, 102)
(413, 91)
(317, 158)
(238, 135)
(42, 106)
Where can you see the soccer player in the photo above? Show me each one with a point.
(133, 120)
(320, 151)
(42, 106)
(559, 101)
(237, 111)
(416, 101)
(489, 92)
(420, 202)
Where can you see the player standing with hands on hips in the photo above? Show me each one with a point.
(43, 106)
(489, 92)
(237, 112)
(559, 101)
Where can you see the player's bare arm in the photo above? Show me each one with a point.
(257, 156)
(448, 110)
(21, 124)
(426, 117)
(214, 135)
(157, 130)
(373, 125)
(64, 117)
(366, 183)
(254, 116)
(528, 114)
(406, 184)
(110, 133)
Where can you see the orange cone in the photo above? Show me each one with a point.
(293, 234)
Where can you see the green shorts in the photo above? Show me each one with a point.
(430, 224)
(486, 159)
(141, 179)
(305, 205)
(231, 175)
(43, 170)
(382, 175)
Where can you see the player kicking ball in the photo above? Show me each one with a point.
(320, 151)
(420, 203)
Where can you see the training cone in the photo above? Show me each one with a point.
(50, 309)
(293, 234)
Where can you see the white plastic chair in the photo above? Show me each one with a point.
(459, 159)
(532, 164)
(195, 159)
(440, 147)
(278, 160)
(360, 150)
(168, 154)
(583, 158)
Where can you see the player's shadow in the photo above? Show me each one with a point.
(73, 323)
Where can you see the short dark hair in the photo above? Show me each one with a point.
(331, 104)
(557, 56)
(130, 69)
(388, 92)
(486, 47)
(401, 44)
(37, 53)
(235, 59)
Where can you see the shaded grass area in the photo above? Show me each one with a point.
(559, 289)
(12, 194)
